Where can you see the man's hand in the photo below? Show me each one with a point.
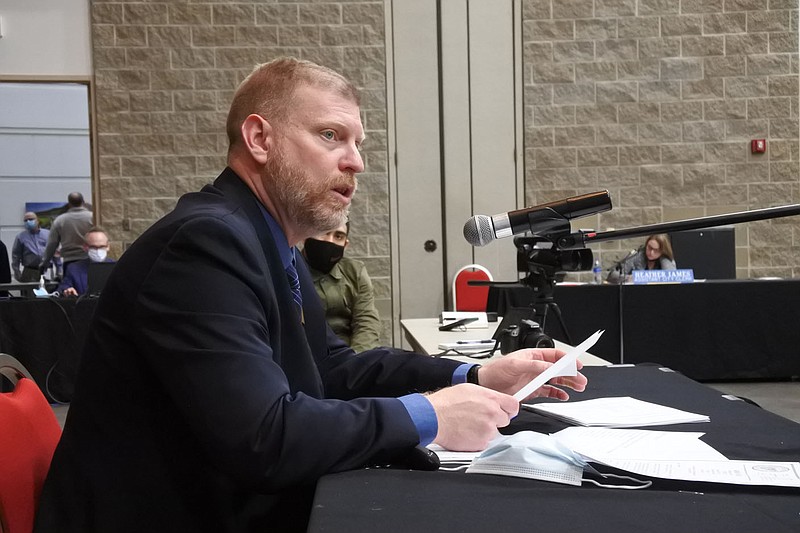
(510, 373)
(69, 291)
(469, 415)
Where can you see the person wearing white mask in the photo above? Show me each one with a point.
(95, 244)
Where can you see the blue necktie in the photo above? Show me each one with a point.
(294, 285)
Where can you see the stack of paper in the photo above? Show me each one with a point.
(616, 412)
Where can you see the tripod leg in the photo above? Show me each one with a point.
(557, 312)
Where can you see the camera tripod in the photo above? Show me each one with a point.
(543, 286)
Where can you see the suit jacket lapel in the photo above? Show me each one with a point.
(293, 355)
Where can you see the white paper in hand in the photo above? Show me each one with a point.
(566, 366)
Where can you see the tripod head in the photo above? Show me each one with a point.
(541, 261)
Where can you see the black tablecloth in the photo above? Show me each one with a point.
(400, 501)
(46, 335)
(715, 330)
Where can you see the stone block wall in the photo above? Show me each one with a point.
(657, 101)
(165, 72)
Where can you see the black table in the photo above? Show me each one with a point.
(25, 288)
(710, 331)
(400, 501)
(46, 335)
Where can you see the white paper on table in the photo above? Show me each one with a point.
(605, 444)
(616, 411)
(773, 473)
(448, 457)
(566, 366)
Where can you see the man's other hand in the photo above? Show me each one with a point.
(469, 415)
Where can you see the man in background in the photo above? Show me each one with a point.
(69, 230)
(76, 282)
(345, 289)
(28, 249)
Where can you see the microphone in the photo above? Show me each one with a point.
(628, 257)
(480, 230)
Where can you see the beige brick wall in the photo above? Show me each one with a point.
(657, 101)
(164, 76)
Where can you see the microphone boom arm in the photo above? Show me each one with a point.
(579, 239)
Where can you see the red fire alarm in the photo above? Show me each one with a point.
(758, 146)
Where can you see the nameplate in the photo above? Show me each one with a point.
(681, 275)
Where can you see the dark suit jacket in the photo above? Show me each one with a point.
(5, 268)
(202, 403)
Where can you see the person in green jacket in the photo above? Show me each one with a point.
(345, 289)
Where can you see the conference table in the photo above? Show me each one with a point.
(709, 331)
(46, 335)
(389, 500)
(25, 288)
(424, 337)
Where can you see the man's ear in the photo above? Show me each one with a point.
(257, 137)
(346, 243)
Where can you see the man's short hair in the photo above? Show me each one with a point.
(269, 91)
(75, 199)
(95, 229)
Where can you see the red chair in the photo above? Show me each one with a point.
(466, 297)
(29, 433)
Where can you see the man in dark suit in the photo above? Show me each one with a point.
(212, 395)
(5, 269)
(76, 282)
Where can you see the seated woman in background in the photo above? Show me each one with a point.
(655, 255)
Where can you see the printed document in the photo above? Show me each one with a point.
(772, 473)
(605, 444)
(616, 412)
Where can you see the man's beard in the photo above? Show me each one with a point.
(307, 202)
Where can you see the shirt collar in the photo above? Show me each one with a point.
(285, 251)
(336, 271)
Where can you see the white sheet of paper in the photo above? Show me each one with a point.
(448, 457)
(605, 444)
(616, 411)
(779, 474)
(566, 366)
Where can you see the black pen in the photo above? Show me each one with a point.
(487, 341)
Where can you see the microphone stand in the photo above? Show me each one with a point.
(621, 264)
(580, 238)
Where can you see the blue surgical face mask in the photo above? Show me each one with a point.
(534, 455)
(97, 255)
(30, 225)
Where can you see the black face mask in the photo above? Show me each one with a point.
(322, 255)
